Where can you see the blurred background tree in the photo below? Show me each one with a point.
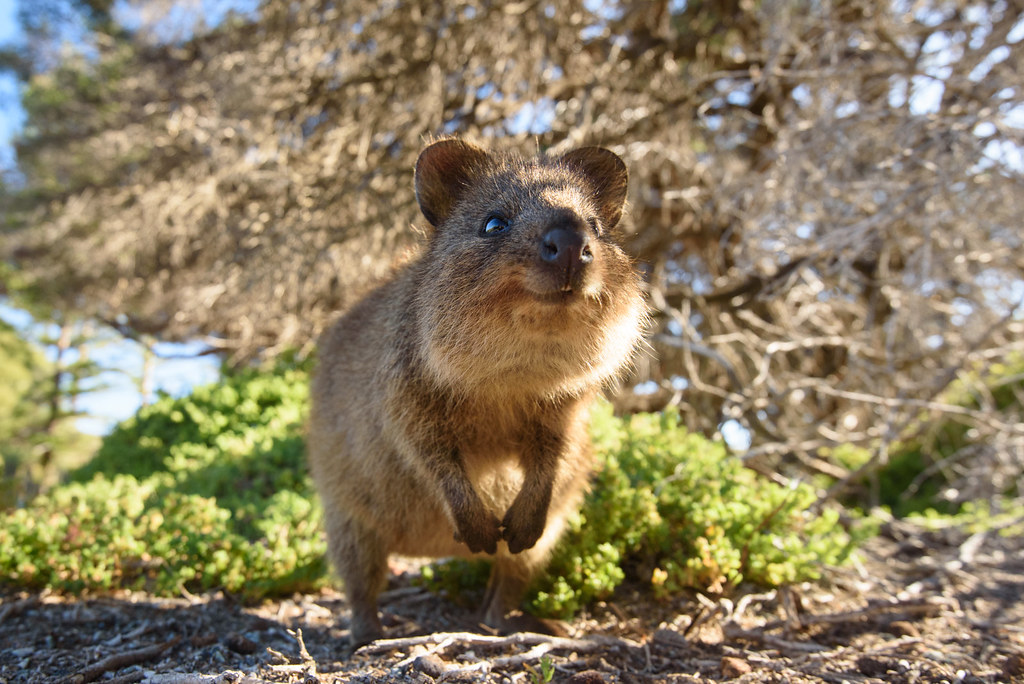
(826, 197)
(22, 369)
(38, 442)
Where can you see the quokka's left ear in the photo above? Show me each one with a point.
(444, 171)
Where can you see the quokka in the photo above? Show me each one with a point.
(450, 405)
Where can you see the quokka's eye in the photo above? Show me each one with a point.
(494, 225)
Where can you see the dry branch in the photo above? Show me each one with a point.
(119, 660)
(924, 606)
(226, 677)
(588, 644)
(14, 608)
(783, 645)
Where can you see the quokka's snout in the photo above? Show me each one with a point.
(565, 250)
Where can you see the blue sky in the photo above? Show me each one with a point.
(8, 25)
(11, 116)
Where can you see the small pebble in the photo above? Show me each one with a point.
(240, 644)
(904, 628)
(431, 665)
(1014, 666)
(734, 667)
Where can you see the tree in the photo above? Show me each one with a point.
(21, 369)
(825, 196)
(37, 442)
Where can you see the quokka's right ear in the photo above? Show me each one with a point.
(443, 172)
(606, 173)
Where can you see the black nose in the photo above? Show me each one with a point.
(566, 248)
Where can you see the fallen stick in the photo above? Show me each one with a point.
(591, 643)
(734, 632)
(14, 608)
(227, 677)
(831, 655)
(535, 653)
(439, 646)
(916, 606)
(484, 665)
(307, 659)
(119, 660)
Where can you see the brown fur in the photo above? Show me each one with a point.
(449, 408)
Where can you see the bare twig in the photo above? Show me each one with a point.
(117, 661)
(784, 645)
(535, 653)
(419, 653)
(927, 606)
(983, 417)
(15, 608)
(590, 643)
(303, 653)
(226, 677)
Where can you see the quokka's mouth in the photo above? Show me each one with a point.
(564, 296)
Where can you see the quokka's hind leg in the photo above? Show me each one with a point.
(361, 560)
(510, 578)
(506, 587)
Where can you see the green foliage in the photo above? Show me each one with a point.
(460, 580)
(211, 491)
(898, 486)
(542, 674)
(683, 514)
(22, 367)
(678, 513)
(1006, 517)
(914, 476)
(194, 493)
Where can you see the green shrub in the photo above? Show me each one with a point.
(211, 491)
(194, 493)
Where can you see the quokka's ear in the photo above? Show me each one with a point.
(608, 178)
(443, 172)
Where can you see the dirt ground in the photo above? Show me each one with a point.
(918, 606)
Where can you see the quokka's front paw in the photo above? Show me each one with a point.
(522, 528)
(479, 532)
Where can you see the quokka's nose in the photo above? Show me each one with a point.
(566, 248)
